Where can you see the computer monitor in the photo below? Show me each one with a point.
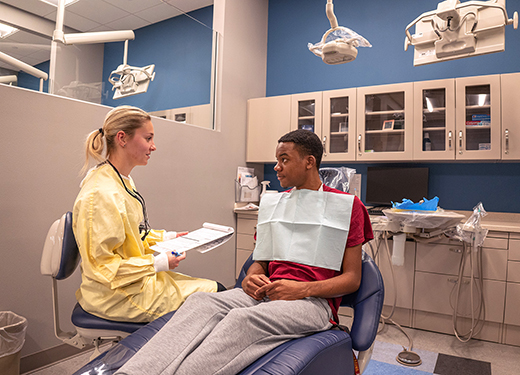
(389, 184)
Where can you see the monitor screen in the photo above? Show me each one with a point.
(388, 184)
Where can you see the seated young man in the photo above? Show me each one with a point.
(293, 288)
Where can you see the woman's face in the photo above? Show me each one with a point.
(141, 145)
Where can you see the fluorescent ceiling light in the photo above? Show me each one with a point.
(55, 2)
(6, 31)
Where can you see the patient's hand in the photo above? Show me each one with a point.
(253, 283)
(287, 290)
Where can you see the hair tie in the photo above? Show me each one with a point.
(101, 131)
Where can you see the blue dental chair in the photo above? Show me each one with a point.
(328, 352)
(60, 258)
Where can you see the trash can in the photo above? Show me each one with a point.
(12, 338)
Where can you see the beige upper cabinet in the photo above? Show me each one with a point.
(434, 120)
(468, 118)
(267, 120)
(478, 118)
(385, 122)
(510, 85)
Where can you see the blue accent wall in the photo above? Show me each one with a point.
(181, 49)
(292, 68)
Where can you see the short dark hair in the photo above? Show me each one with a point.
(307, 143)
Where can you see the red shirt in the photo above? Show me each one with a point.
(360, 232)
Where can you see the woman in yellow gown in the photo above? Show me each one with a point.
(121, 278)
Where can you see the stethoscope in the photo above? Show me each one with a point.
(145, 225)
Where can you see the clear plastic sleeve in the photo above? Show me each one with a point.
(337, 178)
(342, 33)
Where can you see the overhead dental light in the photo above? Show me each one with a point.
(130, 80)
(456, 30)
(339, 44)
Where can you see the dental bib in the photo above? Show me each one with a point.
(304, 226)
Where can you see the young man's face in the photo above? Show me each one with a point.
(291, 168)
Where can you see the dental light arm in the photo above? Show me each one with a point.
(455, 30)
(329, 10)
(8, 79)
(25, 67)
(86, 38)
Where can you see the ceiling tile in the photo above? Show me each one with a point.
(158, 13)
(32, 6)
(130, 22)
(96, 10)
(26, 37)
(134, 6)
(76, 21)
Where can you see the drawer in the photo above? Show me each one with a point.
(246, 226)
(514, 236)
(514, 250)
(436, 293)
(446, 260)
(495, 243)
(438, 258)
(497, 234)
(245, 241)
(512, 304)
(513, 271)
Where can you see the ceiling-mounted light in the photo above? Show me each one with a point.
(6, 31)
(55, 2)
(129, 80)
(338, 44)
(456, 30)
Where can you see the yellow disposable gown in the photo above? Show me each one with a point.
(119, 281)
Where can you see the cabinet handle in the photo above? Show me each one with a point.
(324, 145)
(359, 145)
(506, 135)
(460, 141)
(450, 135)
(454, 280)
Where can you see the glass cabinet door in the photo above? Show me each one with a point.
(306, 112)
(478, 118)
(385, 112)
(339, 124)
(434, 120)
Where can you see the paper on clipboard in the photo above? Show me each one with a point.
(203, 240)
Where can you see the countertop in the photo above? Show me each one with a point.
(495, 221)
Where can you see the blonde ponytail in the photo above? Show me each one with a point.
(100, 143)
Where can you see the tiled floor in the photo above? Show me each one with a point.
(504, 359)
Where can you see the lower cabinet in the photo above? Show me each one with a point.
(427, 287)
(245, 237)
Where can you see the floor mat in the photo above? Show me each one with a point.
(384, 362)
